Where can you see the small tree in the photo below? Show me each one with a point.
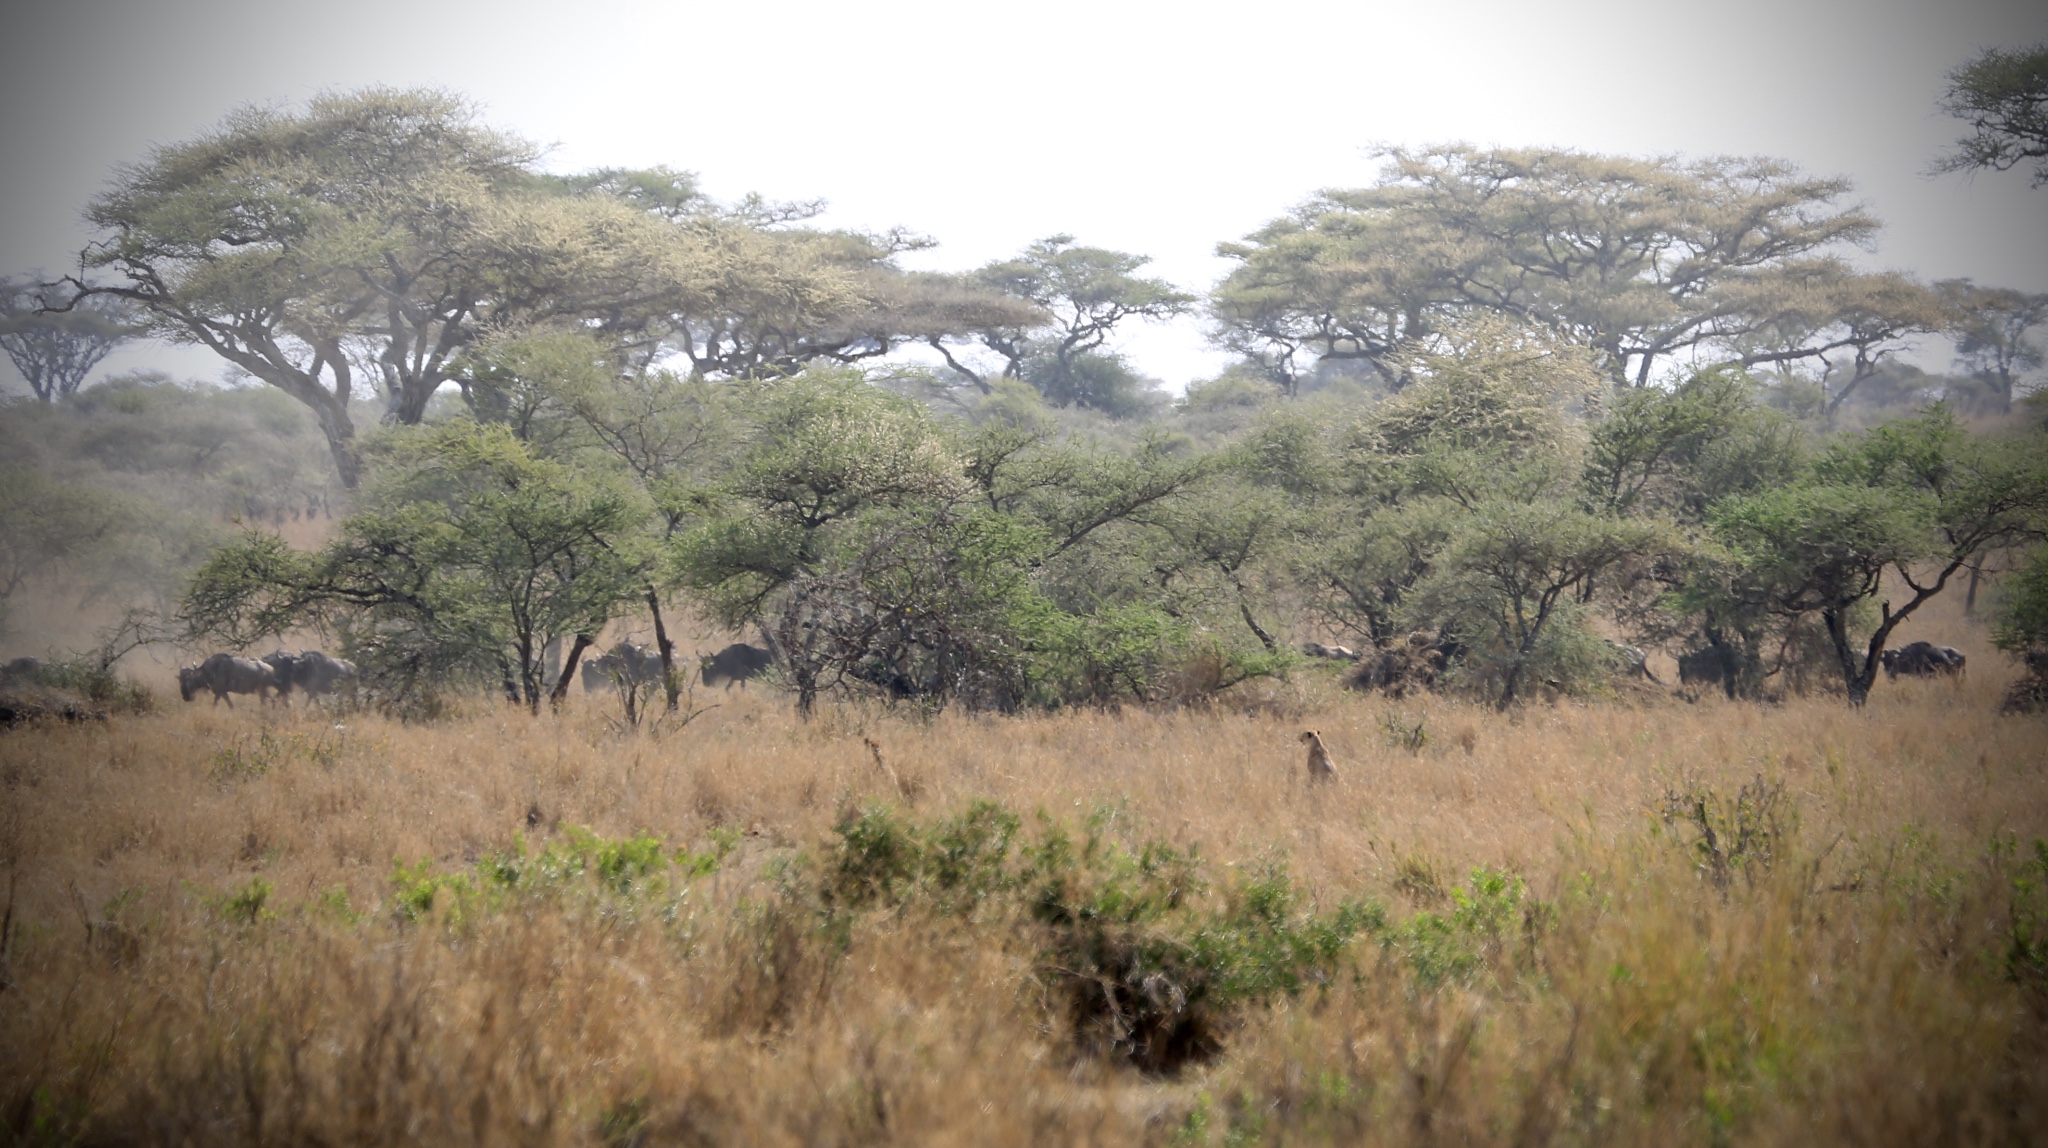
(1915, 501)
(1087, 292)
(55, 344)
(1991, 329)
(1503, 580)
(2020, 627)
(563, 391)
(469, 558)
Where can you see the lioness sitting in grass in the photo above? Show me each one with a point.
(1320, 767)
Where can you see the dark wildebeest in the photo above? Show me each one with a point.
(313, 671)
(1923, 659)
(626, 664)
(735, 663)
(226, 674)
(22, 668)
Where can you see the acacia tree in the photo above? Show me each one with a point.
(55, 345)
(772, 294)
(1643, 260)
(2003, 96)
(371, 234)
(1841, 326)
(1076, 298)
(1991, 328)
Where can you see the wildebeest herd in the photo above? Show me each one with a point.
(318, 674)
(631, 665)
(313, 672)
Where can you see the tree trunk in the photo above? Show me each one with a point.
(1507, 689)
(341, 443)
(1732, 661)
(670, 685)
(1858, 678)
(561, 689)
(1970, 599)
(529, 676)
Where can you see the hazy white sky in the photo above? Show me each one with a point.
(1158, 128)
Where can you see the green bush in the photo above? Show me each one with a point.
(1149, 967)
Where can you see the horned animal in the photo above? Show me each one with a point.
(1320, 767)
(314, 671)
(226, 674)
(735, 663)
(625, 665)
(1923, 659)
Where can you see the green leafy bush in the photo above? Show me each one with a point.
(1150, 964)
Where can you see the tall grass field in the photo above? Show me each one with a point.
(1639, 921)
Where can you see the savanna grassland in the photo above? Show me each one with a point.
(309, 927)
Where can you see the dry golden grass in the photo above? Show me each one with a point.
(1857, 990)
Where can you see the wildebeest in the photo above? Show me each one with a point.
(1336, 653)
(226, 674)
(626, 664)
(1922, 659)
(735, 663)
(21, 668)
(313, 671)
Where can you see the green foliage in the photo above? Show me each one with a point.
(469, 556)
(91, 677)
(626, 875)
(1991, 331)
(1678, 451)
(2027, 953)
(1097, 380)
(1502, 585)
(394, 227)
(46, 525)
(1473, 937)
(1911, 496)
(1081, 295)
(2020, 624)
(245, 906)
(984, 567)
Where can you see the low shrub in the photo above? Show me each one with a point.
(1150, 963)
